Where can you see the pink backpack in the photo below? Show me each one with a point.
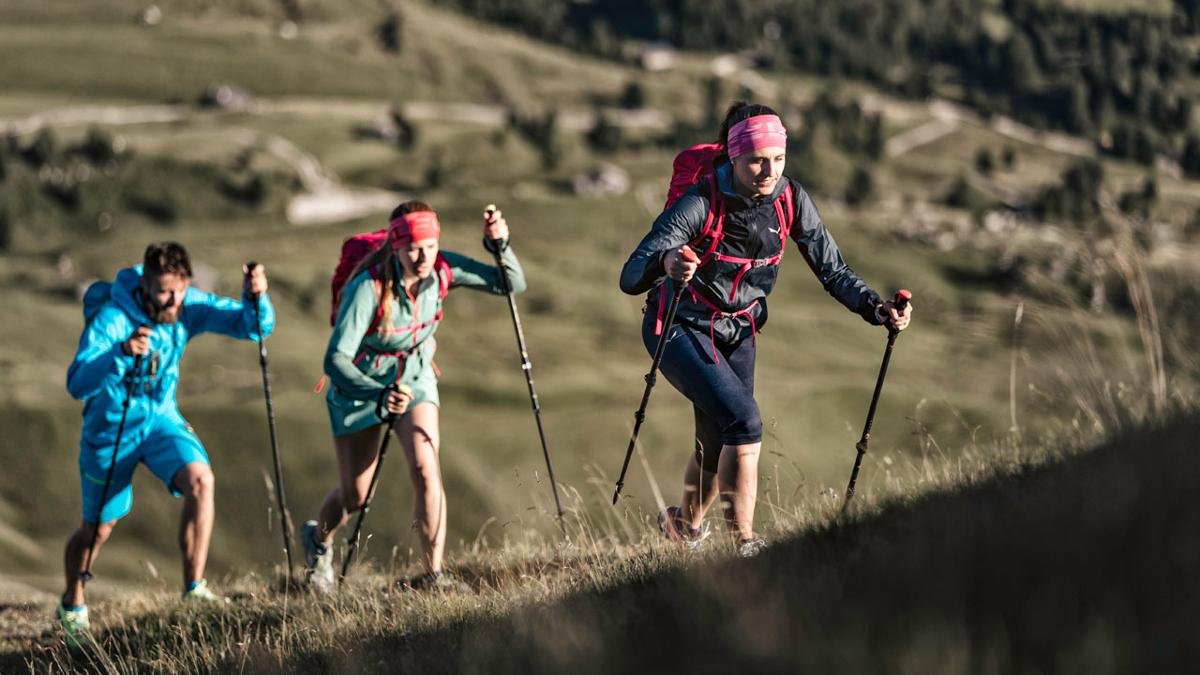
(690, 166)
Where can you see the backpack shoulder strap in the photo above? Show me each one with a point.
(377, 279)
(445, 273)
(785, 210)
(714, 220)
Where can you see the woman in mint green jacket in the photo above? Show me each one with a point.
(383, 336)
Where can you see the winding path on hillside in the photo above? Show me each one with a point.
(324, 199)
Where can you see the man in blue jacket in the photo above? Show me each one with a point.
(135, 333)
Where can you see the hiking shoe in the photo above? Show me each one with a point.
(748, 548)
(201, 594)
(438, 582)
(318, 560)
(75, 625)
(674, 528)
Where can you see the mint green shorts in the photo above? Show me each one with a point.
(348, 415)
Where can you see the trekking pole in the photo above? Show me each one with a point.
(380, 410)
(527, 368)
(86, 575)
(285, 518)
(652, 376)
(900, 302)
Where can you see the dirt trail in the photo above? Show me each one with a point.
(324, 199)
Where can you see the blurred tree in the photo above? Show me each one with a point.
(98, 145)
(604, 135)
(406, 131)
(984, 162)
(41, 148)
(633, 96)
(862, 186)
(1079, 115)
(1190, 160)
(1020, 63)
(390, 31)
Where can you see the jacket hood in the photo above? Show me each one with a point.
(124, 293)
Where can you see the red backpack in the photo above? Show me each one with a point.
(360, 246)
(690, 166)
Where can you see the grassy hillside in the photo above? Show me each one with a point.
(1081, 564)
(959, 379)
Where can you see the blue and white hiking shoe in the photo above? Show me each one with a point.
(75, 625)
(318, 560)
(199, 593)
(672, 526)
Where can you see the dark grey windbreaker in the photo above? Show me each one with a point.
(751, 231)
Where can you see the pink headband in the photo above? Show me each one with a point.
(756, 133)
(415, 226)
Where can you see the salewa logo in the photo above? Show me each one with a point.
(773, 230)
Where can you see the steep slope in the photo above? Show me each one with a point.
(1084, 566)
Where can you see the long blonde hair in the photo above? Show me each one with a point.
(385, 258)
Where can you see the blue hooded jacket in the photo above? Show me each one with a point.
(97, 376)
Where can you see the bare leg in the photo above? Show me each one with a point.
(196, 482)
(75, 556)
(737, 473)
(418, 432)
(356, 454)
(697, 497)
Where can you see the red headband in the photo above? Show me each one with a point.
(756, 133)
(415, 226)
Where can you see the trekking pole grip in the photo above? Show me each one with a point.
(900, 302)
(249, 266)
(381, 409)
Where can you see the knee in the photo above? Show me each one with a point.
(425, 470)
(351, 497)
(746, 428)
(198, 482)
(101, 532)
(352, 501)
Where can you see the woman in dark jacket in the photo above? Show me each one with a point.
(725, 238)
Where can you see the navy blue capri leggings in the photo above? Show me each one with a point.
(722, 393)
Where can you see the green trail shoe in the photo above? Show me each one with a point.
(202, 594)
(318, 561)
(438, 582)
(75, 625)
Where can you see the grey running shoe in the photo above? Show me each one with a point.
(748, 548)
(438, 582)
(674, 528)
(318, 560)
